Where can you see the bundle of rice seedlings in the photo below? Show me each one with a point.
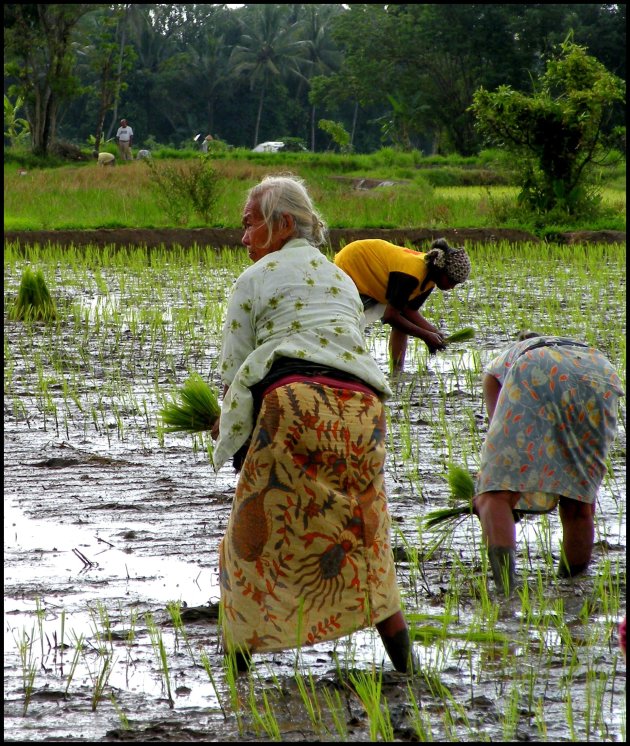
(462, 488)
(196, 411)
(463, 335)
(33, 302)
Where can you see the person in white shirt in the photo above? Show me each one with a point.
(124, 135)
(307, 554)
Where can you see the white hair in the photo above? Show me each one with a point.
(286, 195)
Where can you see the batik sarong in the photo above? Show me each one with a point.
(307, 556)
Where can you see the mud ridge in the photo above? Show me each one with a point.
(231, 237)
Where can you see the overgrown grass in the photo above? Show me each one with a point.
(427, 193)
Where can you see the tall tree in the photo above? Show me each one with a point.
(267, 49)
(108, 56)
(323, 55)
(558, 131)
(38, 43)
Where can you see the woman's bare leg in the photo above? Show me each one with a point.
(578, 535)
(395, 636)
(397, 348)
(498, 529)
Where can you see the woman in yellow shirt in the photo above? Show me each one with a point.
(395, 281)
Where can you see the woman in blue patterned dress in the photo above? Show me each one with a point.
(552, 409)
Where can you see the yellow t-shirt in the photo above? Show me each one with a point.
(370, 262)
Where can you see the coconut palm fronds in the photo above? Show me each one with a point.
(462, 488)
(196, 411)
(463, 335)
(34, 302)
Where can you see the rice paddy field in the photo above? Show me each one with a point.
(112, 525)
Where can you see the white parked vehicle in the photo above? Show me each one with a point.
(268, 147)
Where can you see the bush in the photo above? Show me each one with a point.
(67, 151)
(188, 187)
(293, 144)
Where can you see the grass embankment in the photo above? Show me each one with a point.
(429, 193)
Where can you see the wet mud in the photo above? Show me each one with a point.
(106, 528)
(232, 238)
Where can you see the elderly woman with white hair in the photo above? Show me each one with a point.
(306, 556)
(394, 282)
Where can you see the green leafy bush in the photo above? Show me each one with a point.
(188, 187)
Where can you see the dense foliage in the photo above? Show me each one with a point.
(400, 75)
(557, 132)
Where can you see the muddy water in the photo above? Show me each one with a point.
(105, 526)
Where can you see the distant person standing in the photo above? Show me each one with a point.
(204, 145)
(124, 135)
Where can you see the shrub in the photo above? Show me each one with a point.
(187, 187)
(68, 151)
(293, 144)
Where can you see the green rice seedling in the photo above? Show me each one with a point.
(104, 652)
(124, 721)
(158, 646)
(368, 689)
(40, 613)
(175, 612)
(462, 488)
(420, 722)
(510, 714)
(29, 665)
(207, 667)
(100, 677)
(462, 335)
(539, 718)
(264, 718)
(101, 626)
(33, 302)
(310, 700)
(231, 674)
(197, 410)
(336, 710)
(78, 649)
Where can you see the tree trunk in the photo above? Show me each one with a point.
(354, 122)
(121, 55)
(313, 128)
(259, 115)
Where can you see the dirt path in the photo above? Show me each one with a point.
(338, 237)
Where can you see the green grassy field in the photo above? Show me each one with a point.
(427, 195)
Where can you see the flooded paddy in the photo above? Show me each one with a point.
(112, 527)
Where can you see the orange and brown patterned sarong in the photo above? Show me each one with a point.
(306, 556)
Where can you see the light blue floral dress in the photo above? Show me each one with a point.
(554, 423)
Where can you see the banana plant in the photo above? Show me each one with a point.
(16, 129)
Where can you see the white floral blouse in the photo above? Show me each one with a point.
(292, 303)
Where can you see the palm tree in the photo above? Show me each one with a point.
(323, 55)
(268, 48)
